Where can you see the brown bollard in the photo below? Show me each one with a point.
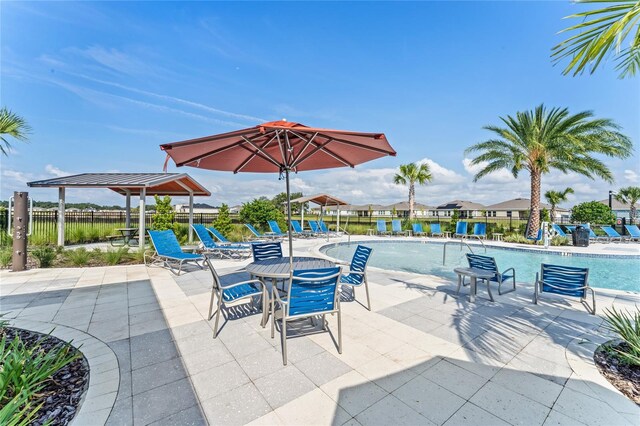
(20, 221)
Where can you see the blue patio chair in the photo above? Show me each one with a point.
(168, 251)
(435, 230)
(356, 276)
(612, 234)
(461, 230)
(417, 229)
(275, 229)
(257, 235)
(229, 251)
(558, 230)
(315, 228)
(479, 231)
(566, 281)
(382, 227)
(265, 251)
(297, 230)
(223, 240)
(488, 263)
(396, 227)
(634, 232)
(537, 238)
(310, 293)
(324, 229)
(593, 236)
(233, 293)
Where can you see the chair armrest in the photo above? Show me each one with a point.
(242, 283)
(340, 262)
(349, 272)
(511, 269)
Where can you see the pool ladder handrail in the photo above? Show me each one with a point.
(444, 248)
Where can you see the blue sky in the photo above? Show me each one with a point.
(103, 84)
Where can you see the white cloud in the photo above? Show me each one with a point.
(52, 170)
(442, 174)
(499, 176)
(631, 176)
(17, 177)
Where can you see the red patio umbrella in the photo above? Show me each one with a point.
(281, 147)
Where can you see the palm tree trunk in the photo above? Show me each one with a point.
(632, 214)
(535, 204)
(553, 213)
(412, 196)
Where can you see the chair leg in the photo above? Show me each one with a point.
(283, 338)
(273, 316)
(366, 289)
(324, 321)
(459, 284)
(339, 331)
(213, 293)
(215, 326)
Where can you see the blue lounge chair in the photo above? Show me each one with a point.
(479, 231)
(537, 238)
(315, 228)
(612, 234)
(233, 293)
(396, 227)
(382, 227)
(634, 232)
(257, 235)
(265, 251)
(461, 230)
(168, 251)
(487, 263)
(357, 273)
(417, 229)
(223, 240)
(275, 229)
(566, 281)
(594, 237)
(435, 230)
(558, 230)
(297, 230)
(324, 229)
(311, 293)
(229, 251)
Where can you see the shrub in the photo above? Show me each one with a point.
(517, 238)
(223, 221)
(164, 216)
(79, 257)
(45, 255)
(113, 257)
(5, 257)
(559, 241)
(627, 326)
(592, 212)
(24, 373)
(259, 211)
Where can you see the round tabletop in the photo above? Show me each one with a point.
(279, 267)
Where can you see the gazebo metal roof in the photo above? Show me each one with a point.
(176, 184)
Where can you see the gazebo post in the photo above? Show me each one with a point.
(190, 216)
(142, 225)
(61, 216)
(337, 217)
(127, 214)
(302, 215)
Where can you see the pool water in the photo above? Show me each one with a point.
(621, 273)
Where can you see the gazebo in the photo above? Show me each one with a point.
(127, 184)
(322, 200)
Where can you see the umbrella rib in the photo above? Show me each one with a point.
(259, 152)
(308, 142)
(320, 147)
(206, 154)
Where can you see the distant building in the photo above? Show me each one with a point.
(378, 210)
(519, 208)
(197, 208)
(466, 209)
(621, 210)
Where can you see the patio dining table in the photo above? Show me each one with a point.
(279, 269)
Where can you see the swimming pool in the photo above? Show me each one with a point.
(620, 273)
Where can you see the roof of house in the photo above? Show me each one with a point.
(460, 205)
(617, 205)
(519, 204)
(154, 183)
(404, 206)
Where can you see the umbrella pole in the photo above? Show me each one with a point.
(286, 173)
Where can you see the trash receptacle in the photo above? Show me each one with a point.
(580, 236)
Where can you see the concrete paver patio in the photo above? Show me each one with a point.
(424, 355)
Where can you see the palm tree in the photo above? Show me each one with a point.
(602, 32)
(11, 125)
(540, 140)
(631, 195)
(410, 174)
(556, 197)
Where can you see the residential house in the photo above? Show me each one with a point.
(197, 208)
(466, 209)
(519, 208)
(620, 209)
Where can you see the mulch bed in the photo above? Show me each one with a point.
(626, 378)
(61, 394)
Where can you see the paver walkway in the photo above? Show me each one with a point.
(423, 356)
